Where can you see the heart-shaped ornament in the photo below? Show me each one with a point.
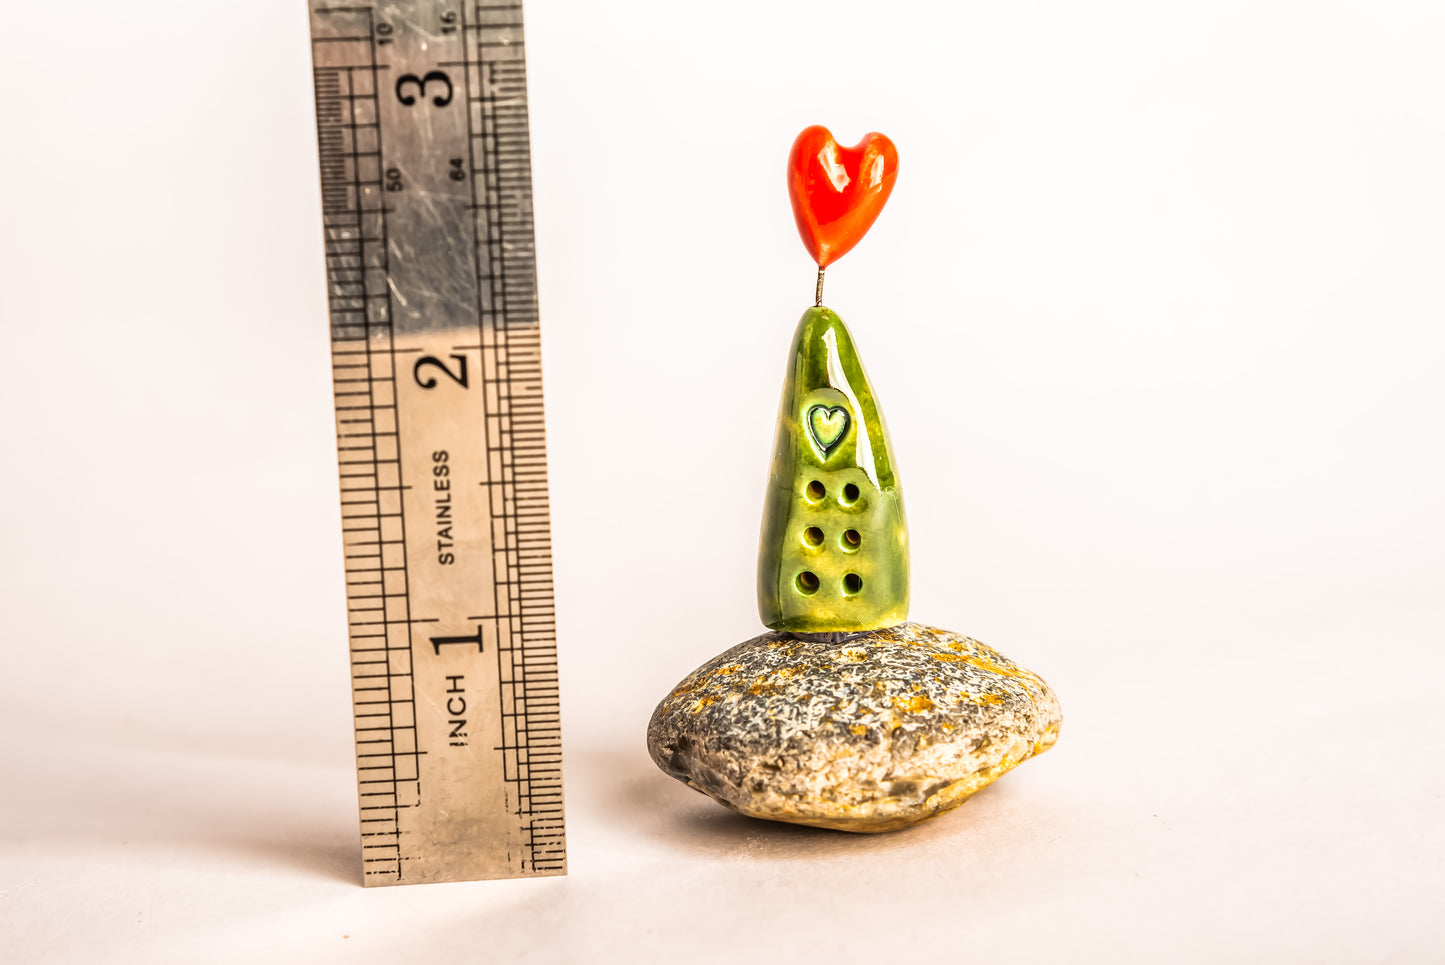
(837, 192)
(827, 426)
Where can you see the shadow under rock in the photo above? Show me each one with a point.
(631, 790)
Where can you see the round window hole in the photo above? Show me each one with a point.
(808, 583)
(817, 490)
(851, 540)
(850, 493)
(813, 536)
(852, 584)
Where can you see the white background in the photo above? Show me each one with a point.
(1157, 316)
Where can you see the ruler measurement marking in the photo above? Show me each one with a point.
(502, 298)
(352, 295)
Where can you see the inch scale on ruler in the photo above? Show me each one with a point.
(421, 112)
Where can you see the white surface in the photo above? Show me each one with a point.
(1155, 314)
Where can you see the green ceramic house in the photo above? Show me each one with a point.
(834, 549)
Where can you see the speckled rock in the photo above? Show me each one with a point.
(872, 731)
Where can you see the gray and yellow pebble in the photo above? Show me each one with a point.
(869, 731)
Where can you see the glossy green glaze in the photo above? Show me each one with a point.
(834, 551)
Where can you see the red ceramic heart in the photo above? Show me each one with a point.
(838, 192)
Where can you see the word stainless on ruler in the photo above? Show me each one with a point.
(421, 112)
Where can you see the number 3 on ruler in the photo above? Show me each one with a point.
(440, 100)
(430, 381)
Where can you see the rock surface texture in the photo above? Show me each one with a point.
(871, 731)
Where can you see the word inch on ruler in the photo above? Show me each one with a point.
(421, 112)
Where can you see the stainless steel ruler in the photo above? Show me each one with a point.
(421, 112)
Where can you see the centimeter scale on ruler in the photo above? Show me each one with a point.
(426, 194)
